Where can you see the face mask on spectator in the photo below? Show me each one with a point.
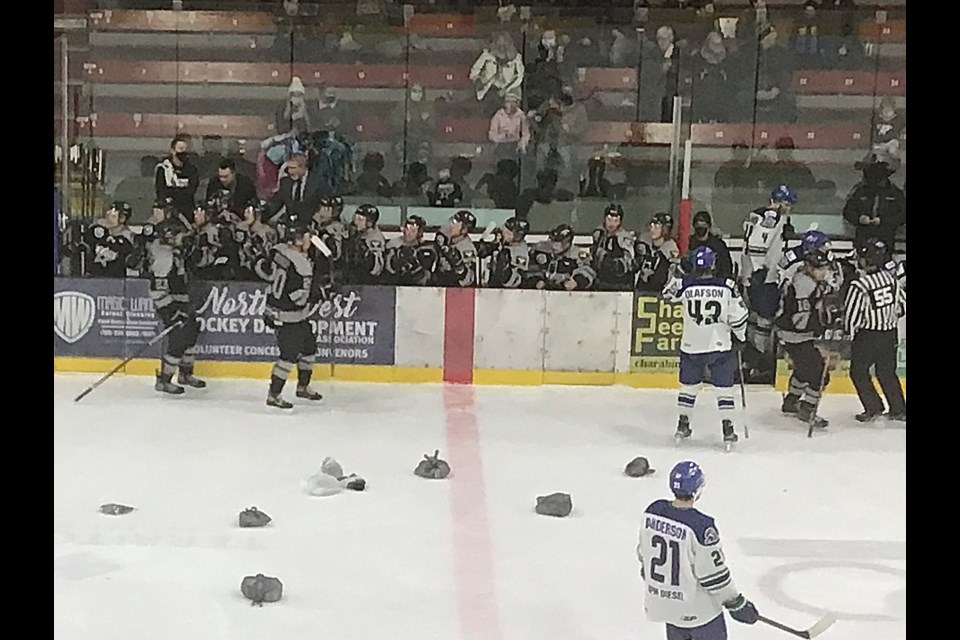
(416, 95)
(181, 156)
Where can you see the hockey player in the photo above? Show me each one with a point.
(509, 254)
(169, 277)
(763, 232)
(712, 312)
(327, 225)
(291, 300)
(656, 253)
(683, 565)
(364, 247)
(253, 238)
(409, 260)
(111, 243)
(802, 318)
(458, 255)
(556, 263)
(215, 253)
(613, 254)
(792, 258)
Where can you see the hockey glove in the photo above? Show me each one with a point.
(253, 517)
(742, 610)
(261, 588)
(270, 318)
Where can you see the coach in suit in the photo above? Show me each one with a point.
(299, 193)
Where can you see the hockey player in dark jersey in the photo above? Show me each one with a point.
(253, 238)
(410, 260)
(111, 243)
(291, 300)
(613, 252)
(802, 318)
(363, 250)
(509, 255)
(215, 252)
(327, 225)
(557, 263)
(457, 266)
(169, 278)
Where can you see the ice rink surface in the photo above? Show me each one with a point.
(808, 525)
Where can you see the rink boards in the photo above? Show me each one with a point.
(398, 334)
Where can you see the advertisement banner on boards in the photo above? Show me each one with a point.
(112, 318)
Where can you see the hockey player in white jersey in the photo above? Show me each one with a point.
(763, 232)
(683, 566)
(713, 312)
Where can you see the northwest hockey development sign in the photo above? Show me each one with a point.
(113, 318)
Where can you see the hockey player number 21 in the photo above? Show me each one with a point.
(673, 549)
(704, 312)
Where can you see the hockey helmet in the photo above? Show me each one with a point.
(662, 218)
(704, 259)
(168, 230)
(783, 193)
(686, 479)
(369, 212)
(613, 209)
(814, 240)
(295, 229)
(816, 259)
(259, 206)
(466, 218)
(518, 226)
(415, 221)
(562, 233)
(873, 253)
(335, 203)
(123, 209)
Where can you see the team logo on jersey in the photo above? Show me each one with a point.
(73, 315)
(710, 536)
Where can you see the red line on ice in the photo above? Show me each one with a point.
(472, 543)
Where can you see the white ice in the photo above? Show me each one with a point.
(808, 525)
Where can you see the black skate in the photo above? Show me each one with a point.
(683, 430)
(164, 384)
(190, 380)
(790, 404)
(867, 416)
(308, 393)
(730, 437)
(807, 412)
(278, 402)
(900, 416)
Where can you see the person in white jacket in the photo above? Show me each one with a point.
(499, 67)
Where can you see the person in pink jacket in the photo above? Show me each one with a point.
(509, 130)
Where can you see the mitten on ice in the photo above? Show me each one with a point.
(261, 588)
(331, 467)
(433, 467)
(321, 484)
(556, 504)
(638, 467)
(253, 517)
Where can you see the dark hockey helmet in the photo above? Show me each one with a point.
(518, 226)
(416, 221)
(335, 203)
(662, 218)
(124, 210)
(562, 233)
(816, 259)
(166, 204)
(613, 209)
(369, 212)
(294, 230)
(168, 230)
(873, 253)
(466, 218)
(258, 205)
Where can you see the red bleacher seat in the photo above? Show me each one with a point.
(166, 125)
(863, 83)
(834, 136)
(212, 21)
(890, 31)
(450, 25)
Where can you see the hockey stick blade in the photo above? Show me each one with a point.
(321, 246)
(822, 625)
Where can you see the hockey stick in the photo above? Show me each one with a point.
(823, 381)
(822, 625)
(157, 338)
(325, 250)
(743, 397)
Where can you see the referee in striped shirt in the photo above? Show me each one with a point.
(874, 304)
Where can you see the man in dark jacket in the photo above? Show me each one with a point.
(230, 190)
(876, 206)
(299, 193)
(177, 178)
(703, 237)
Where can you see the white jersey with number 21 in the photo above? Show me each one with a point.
(683, 566)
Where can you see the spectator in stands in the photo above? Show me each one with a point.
(736, 173)
(460, 168)
(545, 192)
(846, 51)
(444, 192)
(751, 23)
(703, 236)
(664, 71)
(630, 40)
(808, 46)
(875, 207)
(299, 192)
(710, 81)
(558, 126)
(787, 170)
(333, 115)
(371, 182)
(414, 182)
(414, 124)
(176, 177)
(769, 96)
(502, 186)
(888, 128)
(509, 131)
(543, 75)
(583, 51)
(704, 22)
(137, 191)
(230, 188)
(499, 67)
(296, 112)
